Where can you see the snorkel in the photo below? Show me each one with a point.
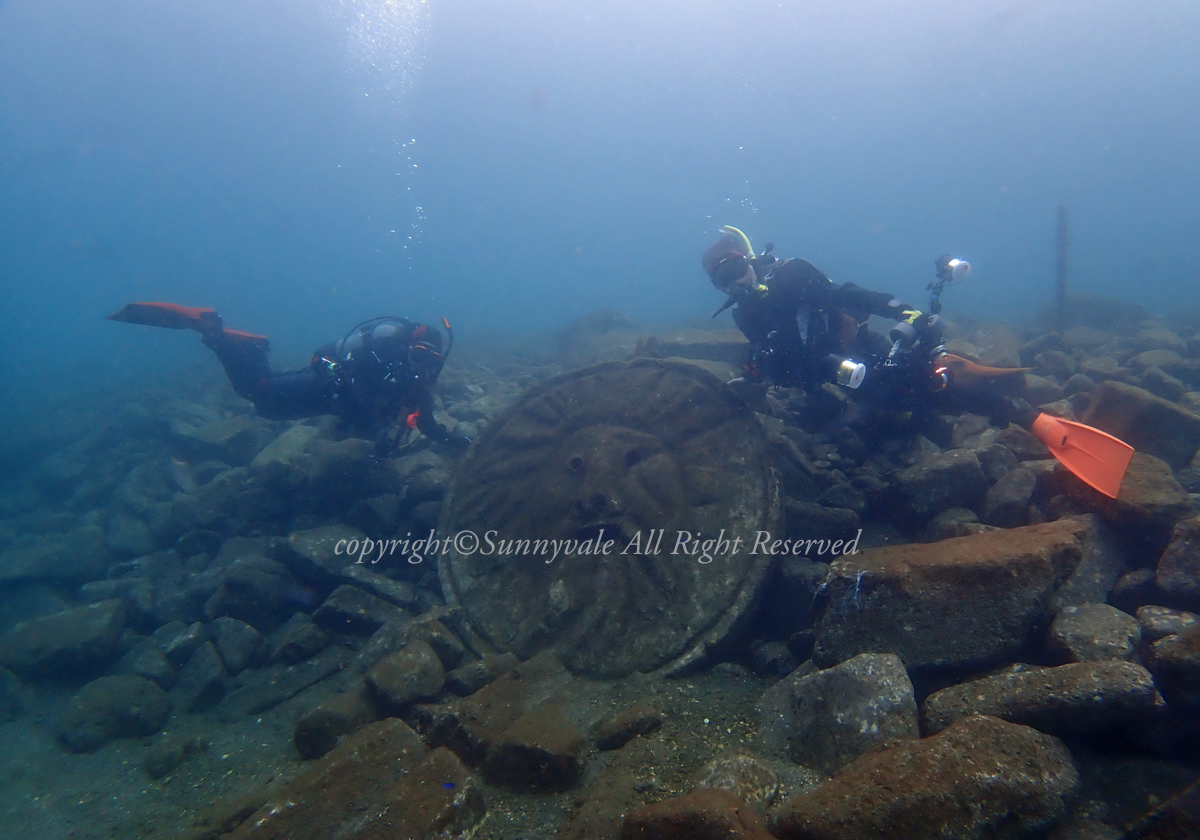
(731, 230)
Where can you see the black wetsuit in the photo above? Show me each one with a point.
(371, 387)
(837, 315)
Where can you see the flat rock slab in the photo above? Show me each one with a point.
(349, 609)
(981, 778)
(966, 601)
(317, 556)
(270, 686)
(603, 456)
(1068, 700)
(381, 782)
(80, 555)
(77, 638)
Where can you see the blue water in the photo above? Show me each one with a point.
(302, 165)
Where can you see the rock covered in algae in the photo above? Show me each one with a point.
(626, 460)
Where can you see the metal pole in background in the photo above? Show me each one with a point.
(1060, 273)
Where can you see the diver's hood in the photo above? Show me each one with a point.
(722, 248)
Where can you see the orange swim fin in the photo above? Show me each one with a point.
(1096, 457)
(966, 370)
(238, 335)
(169, 315)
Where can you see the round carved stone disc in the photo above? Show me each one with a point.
(635, 453)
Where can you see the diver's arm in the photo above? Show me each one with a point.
(431, 428)
(854, 298)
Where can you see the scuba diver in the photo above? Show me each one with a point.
(912, 371)
(378, 379)
(770, 295)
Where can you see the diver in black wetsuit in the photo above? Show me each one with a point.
(378, 379)
(913, 373)
(770, 295)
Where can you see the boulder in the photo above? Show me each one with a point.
(952, 479)
(238, 643)
(349, 609)
(267, 687)
(64, 642)
(285, 462)
(170, 752)
(1148, 423)
(1150, 501)
(78, 556)
(325, 726)
(125, 706)
(178, 641)
(980, 778)
(1103, 563)
(146, 660)
(640, 718)
(1007, 502)
(1178, 572)
(827, 719)
(15, 697)
(138, 595)
(752, 780)
(467, 679)
(381, 782)
(473, 725)
(413, 673)
(1093, 632)
(1162, 384)
(296, 639)
(128, 535)
(1040, 390)
(232, 440)
(317, 556)
(700, 815)
(399, 593)
(1175, 662)
(967, 601)
(25, 600)
(395, 634)
(202, 681)
(256, 590)
(1160, 622)
(541, 750)
(997, 461)
(1070, 700)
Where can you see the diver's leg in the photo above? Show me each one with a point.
(289, 395)
(245, 362)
